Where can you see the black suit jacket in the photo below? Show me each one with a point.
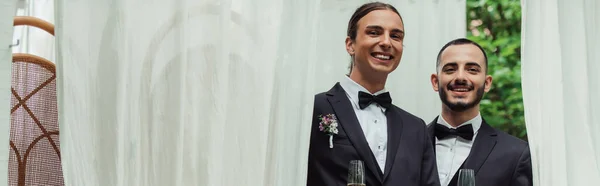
(410, 159)
(497, 158)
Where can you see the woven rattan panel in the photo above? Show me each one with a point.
(35, 153)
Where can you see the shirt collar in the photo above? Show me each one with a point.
(475, 122)
(352, 88)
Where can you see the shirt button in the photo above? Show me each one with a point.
(375, 121)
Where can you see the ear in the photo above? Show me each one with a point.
(350, 46)
(488, 83)
(434, 82)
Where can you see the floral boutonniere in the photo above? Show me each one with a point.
(328, 125)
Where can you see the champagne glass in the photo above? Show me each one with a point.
(466, 177)
(356, 173)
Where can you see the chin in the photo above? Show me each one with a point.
(386, 70)
(461, 102)
(383, 68)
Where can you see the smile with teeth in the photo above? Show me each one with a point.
(461, 90)
(382, 56)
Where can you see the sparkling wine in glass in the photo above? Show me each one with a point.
(466, 177)
(356, 173)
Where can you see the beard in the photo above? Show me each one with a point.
(460, 106)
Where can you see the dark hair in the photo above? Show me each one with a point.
(360, 12)
(461, 41)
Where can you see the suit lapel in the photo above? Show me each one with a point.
(394, 123)
(431, 130)
(482, 147)
(349, 122)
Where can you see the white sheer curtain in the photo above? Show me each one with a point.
(192, 92)
(429, 24)
(7, 12)
(185, 92)
(561, 89)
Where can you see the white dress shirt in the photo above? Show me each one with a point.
(372, 120)
(452, 151)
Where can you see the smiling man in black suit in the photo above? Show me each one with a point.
(356, 119)
(462, 138)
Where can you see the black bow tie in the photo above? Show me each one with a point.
(465, 131)
(365, 99)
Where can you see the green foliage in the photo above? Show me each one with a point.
(496, 26)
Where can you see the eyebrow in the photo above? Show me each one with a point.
(381, 28)
(398, 30)
(473, 64)
(456, 64)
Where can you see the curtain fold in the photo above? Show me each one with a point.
(560, 61)
(185, 92)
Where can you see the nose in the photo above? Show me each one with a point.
(461, 75)
(385, 42)
(459, 81)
